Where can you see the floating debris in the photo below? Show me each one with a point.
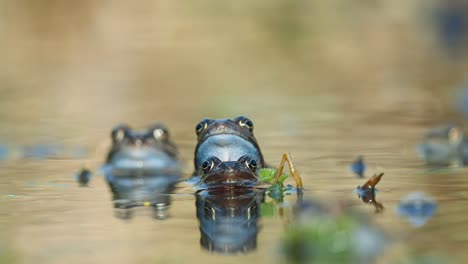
(359, 167)
(367, 192)
(83, 177)
(417, 207)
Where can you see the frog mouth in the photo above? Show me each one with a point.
(230, 176)
(140, 159)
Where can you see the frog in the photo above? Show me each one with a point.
(142, 167)
(445, 145)
(226, 139)
(228, 154)
(150, 150)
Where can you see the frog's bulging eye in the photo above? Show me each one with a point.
(160, 134)
(246, 123)
(201, 126)
(252, 164)
(249, 162)
(207, 165)
(119, 133)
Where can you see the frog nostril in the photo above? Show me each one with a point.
(138, 142)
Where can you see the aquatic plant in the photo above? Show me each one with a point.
(276, 190)
(328, 238)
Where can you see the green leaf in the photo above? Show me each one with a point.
(268, 175)
(282, 178)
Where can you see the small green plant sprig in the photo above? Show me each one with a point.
(276, 190)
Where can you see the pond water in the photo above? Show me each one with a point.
(47, 218)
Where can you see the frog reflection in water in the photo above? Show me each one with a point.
(229, 146)
(229, 219)
(142, 168)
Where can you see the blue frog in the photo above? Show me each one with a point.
(142, 168)
(227, 154)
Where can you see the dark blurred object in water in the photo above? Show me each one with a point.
(452, 25)
(142, 170)
(367, 192)
(444, 145)
(332, 234)
(417, 207)
(229, 219)
(83, 177)
(359, 167)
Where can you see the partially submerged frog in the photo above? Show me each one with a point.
(150, 150)
(141, 167)
(445, 145)
(228, 155)
(226, 139)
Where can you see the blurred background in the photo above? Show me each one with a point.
(69, 60)
(325, 80)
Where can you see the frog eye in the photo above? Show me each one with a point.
(249, 162)
(119, 133)
(252, 164)
(246, 123)
(207, 165)
(201, 126)
(160, 134)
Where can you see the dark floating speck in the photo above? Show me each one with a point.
(417, 207)
(359, 167)
(83, 177)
